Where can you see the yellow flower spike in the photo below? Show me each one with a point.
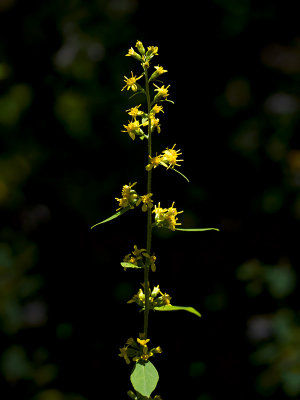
(169, 157)
(131, 82)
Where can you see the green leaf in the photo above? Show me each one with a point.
(173, 169)
(144, 378)
(169, 307)
(197, 229)
(129, 265)
(178, 172)
(117, 214)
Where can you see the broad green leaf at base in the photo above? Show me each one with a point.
(117, 214)
(144, 378)
(169, 307)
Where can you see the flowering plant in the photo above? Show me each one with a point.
(142, 125)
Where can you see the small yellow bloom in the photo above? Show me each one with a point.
(142, 342)
(166, 217)
(133, 128)
(159, 71)
(129, 197)
(148, 203)
(154, 124)
(134, 111)
(162, 92)
(134, 54)
(152, 51)
(154, 162)
(169, 157)
(156, 109)
(131, 82)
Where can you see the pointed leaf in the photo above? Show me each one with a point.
(144, 378)
(117, 214)
(169, 307)
(173, 169)
(129, 265)
(180, 173)
(197, 229)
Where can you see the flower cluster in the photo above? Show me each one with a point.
(130, 198)
(156, 298)
(139, 257)
(166, 217)
(138, 350)
(168, 158)
(141, 119)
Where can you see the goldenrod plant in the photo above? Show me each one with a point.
(142, 124)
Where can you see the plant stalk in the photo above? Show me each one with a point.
(149, 212)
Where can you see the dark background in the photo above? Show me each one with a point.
(234, 71)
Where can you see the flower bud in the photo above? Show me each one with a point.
(140, 47)
(131, 395)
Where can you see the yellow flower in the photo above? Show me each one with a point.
(166, 217)
(154, 162)
(142, 342)
(148, 203)
(134, 111)
(154, 123)
(169, 157)
(159, 71)
(134, 54)
(131, 82)
(152, 51)
(156, 109)
(129, 197)
(162, 92)
(133, 128)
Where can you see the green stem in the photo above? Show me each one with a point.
(149, 217)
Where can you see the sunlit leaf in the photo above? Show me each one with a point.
(169, 307)
(116, 215)
(180, 173)
(129, 265)
(144, 378)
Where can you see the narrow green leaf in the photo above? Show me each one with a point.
(178, 172)
(144, 378)
(169, 307)
(117, 214)
(173, 169)
(129, 265)
(197, 229)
